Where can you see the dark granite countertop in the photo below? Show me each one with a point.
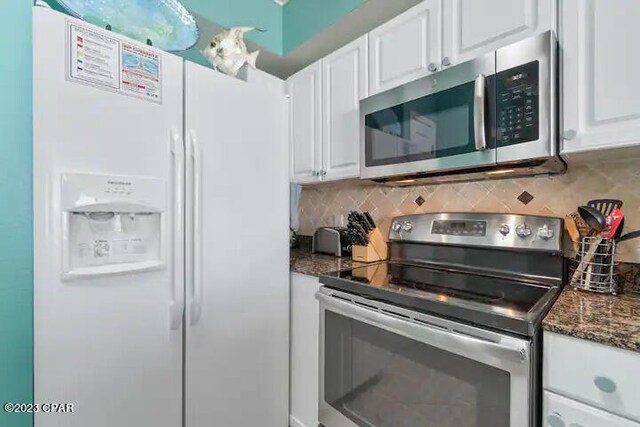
(304, 262)
(605, 319)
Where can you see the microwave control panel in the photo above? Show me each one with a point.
(517, 104)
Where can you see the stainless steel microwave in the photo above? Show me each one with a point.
(494, 116)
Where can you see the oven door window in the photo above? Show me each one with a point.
(380, 379)
(434, 126)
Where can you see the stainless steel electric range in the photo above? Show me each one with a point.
(445, 333)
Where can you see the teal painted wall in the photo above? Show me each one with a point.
(264, 14)
(303, 19)
(16, 277)
(286, 28)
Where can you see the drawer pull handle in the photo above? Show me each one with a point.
(605, 384)
(555, 420)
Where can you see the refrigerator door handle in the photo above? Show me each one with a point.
(177, 303)
(196, 302)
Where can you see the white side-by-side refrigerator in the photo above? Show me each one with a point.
(160, 237)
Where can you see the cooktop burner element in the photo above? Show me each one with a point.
(443, 265)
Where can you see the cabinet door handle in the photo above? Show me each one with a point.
(555, 420)
(432, 67)
(605, 385)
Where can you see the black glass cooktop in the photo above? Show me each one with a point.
(499, 303)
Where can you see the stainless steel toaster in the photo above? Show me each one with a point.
(331, 240)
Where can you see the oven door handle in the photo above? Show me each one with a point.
(442, 338)
(479, 102)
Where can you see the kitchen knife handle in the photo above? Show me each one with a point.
(177, 262)
(196, 158)
(479, 112)
(370, 219)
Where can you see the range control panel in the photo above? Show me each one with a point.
(517, 104)
(496, 230)
(460, 228)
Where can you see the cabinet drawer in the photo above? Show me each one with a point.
(562, 412)
(602, 376)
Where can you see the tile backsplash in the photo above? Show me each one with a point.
(544, 195)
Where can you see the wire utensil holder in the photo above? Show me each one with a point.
(596, 257)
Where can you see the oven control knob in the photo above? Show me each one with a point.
(396, 227)
(523, 230)
(407, 226)
(545, 232)
(504, 229)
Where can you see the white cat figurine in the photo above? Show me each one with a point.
(228, 51)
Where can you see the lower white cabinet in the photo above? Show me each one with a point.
(304, 370)
(601, 95)
(588, 384)
(560, 411)
(598, 375)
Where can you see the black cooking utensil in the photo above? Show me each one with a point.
(605, 206)
(629, 236)
(594, 219)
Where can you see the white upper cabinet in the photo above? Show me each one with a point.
(325, 115)
(601, 95)
(473, 28)
(344, 83)
(407, 47)
(304, 89)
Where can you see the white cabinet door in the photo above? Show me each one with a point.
(600, 375)
(402, 49)
(305, 370)
(304, 89)
(344, 83)
(559, 411)
(601, 96)
(473, 28)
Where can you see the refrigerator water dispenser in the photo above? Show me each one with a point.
(111, 224)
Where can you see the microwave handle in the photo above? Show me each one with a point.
(479, 113)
